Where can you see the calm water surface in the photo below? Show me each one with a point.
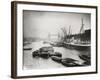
(39, 63)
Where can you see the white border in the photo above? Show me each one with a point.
(21, 7)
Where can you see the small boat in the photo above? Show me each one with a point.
(86, 58)
(57, 59)
(35, 53)
(69, 62)
(27, 48)
(46, 49)
(58, 54)
(44, 55)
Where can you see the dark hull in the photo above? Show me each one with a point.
(27, 48)
(77, 46)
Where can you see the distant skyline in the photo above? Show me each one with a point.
(41, 23)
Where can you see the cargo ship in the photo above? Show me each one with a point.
(80, 41)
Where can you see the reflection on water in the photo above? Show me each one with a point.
(40, 63)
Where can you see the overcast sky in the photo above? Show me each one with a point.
(40, 23)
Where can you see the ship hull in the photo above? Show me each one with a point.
(77, 46)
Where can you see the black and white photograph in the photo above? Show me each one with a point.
(53, 39)
(56, 39)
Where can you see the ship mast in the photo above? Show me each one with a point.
(69, 34)
(81, 30)
(49, 36)
(64, 33)
(82, 27)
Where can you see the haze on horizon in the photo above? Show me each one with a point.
(41, 23)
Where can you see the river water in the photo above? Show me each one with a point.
(40, 63)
